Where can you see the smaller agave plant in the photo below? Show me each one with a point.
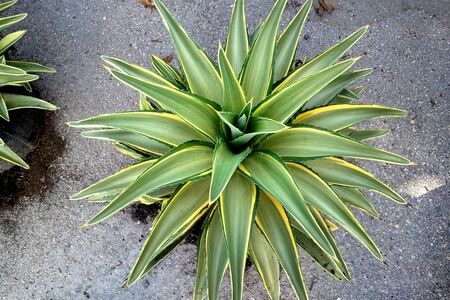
(252, 148)
(15, 75)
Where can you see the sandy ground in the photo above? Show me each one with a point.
(44, 254)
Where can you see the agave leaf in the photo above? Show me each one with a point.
(117, 181)
(228, 120)
(164, 127)
(10, 70)
(30, 67)
(7, 4)
(131, 152)
(10, 39)
(340, 172)
(3, 109)
(185, 162)
(199, 114)
(334, 88)
(337, 117)
(355, 198)
(201, 74)
(252, 37)
(225, 164)
(258, 126)
(319, 195)
(233, 96)
(274, 224)
(201, 279)
(322, 259)
(334, 265)
(271, 175)
(186, 207)
(144, 104)
(135, 71)
(168, 72)
(134, 140)
(284, 104)
(10, 20)
(7, 154)
(237, 204)
(364, 134)
(15, 101)
(303, 143)
(237, 37)
(256, 78)
(265, 261)
(216, 255)
(8, 79)
(325, 59)
(288, 41)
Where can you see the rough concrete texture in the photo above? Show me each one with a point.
(46, 255)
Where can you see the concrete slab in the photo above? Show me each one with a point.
(46, 255)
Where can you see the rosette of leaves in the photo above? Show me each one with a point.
(250, 147)
(14, 76)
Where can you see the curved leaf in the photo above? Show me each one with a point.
(201, 74)
(303, 143)
(274, 224)
(194, 111)
(335, 88)
(168, 72)
(288, 41)
(233, 96)
(183, 163)
(337, 117)
(325, 59)
(10, 20)
(354, 197)
(30, 67)
(283, 105)
(364, 134)
(186, 207)
(15, 101)
(271, 175)
(237, 204)
(117, 181)
(7, 154)
(216, 255)
(319, 195)
(164, 127)
(340, 172)
(10, 39)
(237, 38)
(134, 140)
(225, 164)
(256, 78)
(265, 261)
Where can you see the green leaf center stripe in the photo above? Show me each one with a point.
(237, 38)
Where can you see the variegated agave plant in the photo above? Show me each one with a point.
(250, 147)
(16, 74)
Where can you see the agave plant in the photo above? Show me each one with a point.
(13, 76)
(251, 147)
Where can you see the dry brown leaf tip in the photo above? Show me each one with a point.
(148, 3)
(322, 6)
